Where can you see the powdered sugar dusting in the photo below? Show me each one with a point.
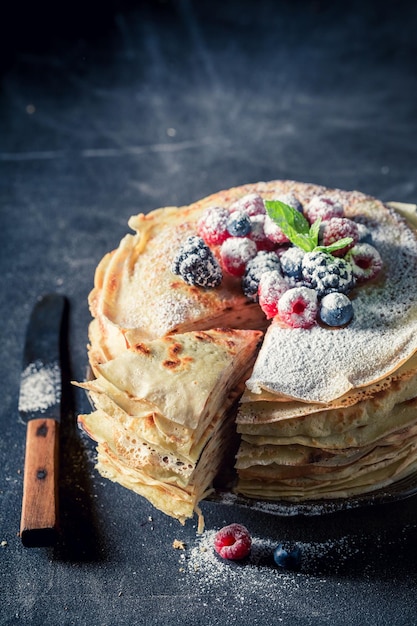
(40, 387)
(319, 364)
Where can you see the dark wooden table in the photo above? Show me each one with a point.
(109, 110)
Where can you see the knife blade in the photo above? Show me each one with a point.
(40, 407)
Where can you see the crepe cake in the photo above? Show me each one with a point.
(326, 411)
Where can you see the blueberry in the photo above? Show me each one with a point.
(336, 309)
(287, 559)
(291, 262)
(239, 224)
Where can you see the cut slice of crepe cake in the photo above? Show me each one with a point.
(163, 414)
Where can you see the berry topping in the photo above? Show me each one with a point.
(324, 208)
(365, 235)
(291, 200)
(337, 228)
(251, 204)
(233, 542)
(263, 262)
(326, 273)
(336, 309)
(287, 559)
(274, 232)
(212, 226)
(235, 253)
(196, 264)
(291, 263)
(258, 234)
(239, 224)
(298, 307)
(271, 287)
(365, 261)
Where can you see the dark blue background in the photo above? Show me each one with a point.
(107, 110)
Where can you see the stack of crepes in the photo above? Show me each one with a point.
(325, 412)
(332, 413)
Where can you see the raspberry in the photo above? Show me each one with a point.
(235, 253)
(337, 228)
(298, 307)
(365, 261)
(212, 225)
(336, 309)
(292, 200)
(263, 262)
(251, 204)
(274, 232)
(258, 234)
(287, 558)
(196, 265)
(239, 224)
(326, 273)
(271, 287)
(291, 263)
(323, 207)
(233, 542)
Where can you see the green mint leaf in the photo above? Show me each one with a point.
(337, 245)
(292, 223)
(314, 231)
(284, 215)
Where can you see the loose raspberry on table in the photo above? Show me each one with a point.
(365, 260)
(323, 207)
(239, 224)
(196, 265)
(251, 204)
(271, 287)
(337, 228)
(261, 263)
(235, 253)
(298, 307)
(212, 225)
(233, 542)
(326, 273)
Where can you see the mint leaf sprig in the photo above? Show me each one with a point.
(298, 230)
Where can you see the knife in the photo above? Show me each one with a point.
(40, 407)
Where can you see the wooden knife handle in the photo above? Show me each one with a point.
(39, 521)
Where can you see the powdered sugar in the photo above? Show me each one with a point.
(321, 364)
(40, 387)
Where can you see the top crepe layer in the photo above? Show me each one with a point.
(136, 296)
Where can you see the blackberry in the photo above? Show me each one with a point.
(196, 265)
(326, 273)
(261, 263)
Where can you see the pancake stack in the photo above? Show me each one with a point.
(321, 412)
